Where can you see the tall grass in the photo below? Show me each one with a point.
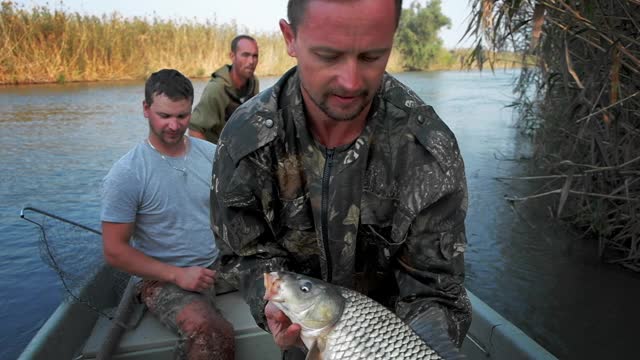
(464, 59)
(43, 45)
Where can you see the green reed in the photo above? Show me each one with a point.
(44, 45)
(41, 45)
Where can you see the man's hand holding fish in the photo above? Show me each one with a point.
(336, 323)
(285, 333)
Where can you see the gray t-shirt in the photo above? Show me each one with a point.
(167, 199)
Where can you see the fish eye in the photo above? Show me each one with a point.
(306, 286)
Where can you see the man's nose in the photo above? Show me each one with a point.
(174, 124)
(349, 77)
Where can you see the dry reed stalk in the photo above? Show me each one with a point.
(581, 103)
(43, 45)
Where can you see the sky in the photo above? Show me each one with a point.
(255, 15)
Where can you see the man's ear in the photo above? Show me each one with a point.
(289, 37)
(145, 109)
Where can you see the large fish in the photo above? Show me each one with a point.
(338, 323)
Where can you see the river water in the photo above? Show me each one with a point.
(58, 141)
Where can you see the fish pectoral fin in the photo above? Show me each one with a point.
(315, 353)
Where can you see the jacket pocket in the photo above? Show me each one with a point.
(383, 226)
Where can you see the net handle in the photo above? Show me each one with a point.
(125, 307)
(52, 258)
(60, 218)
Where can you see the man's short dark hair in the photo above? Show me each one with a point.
(236, 40)
(169, 82)
(296, 9)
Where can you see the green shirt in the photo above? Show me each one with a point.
(218, 101)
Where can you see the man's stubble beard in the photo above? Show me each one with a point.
(324, 107)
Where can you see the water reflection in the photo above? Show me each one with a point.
(535, 272)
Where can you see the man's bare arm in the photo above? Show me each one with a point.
(119, 253)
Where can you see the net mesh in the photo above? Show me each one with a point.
(74, 252)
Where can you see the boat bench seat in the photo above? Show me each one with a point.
(152, 340)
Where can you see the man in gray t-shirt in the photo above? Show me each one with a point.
(156, 223)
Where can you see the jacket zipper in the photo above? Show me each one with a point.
(324, 213)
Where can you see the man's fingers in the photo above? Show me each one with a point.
(293, 330)
(208, 280)
(210, 273)
(280, 316)
(284, 332)
(269, 310)
(208, 283)
(272, 312)
(288, 337)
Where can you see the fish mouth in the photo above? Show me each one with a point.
(272, 287)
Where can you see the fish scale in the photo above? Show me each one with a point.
(341, 324)
(358, 334)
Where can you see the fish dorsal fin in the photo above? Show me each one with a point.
(315, 353)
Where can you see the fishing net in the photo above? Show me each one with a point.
(74, 252)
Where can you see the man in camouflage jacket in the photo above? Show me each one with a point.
(383, 214)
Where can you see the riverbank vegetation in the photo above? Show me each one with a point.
(417, 36)
(44, 45)
(581, 104)
(41, 45)
(420, 48)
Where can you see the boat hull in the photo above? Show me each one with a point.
(76, 331)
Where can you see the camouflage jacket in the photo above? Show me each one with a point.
(383, 215)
